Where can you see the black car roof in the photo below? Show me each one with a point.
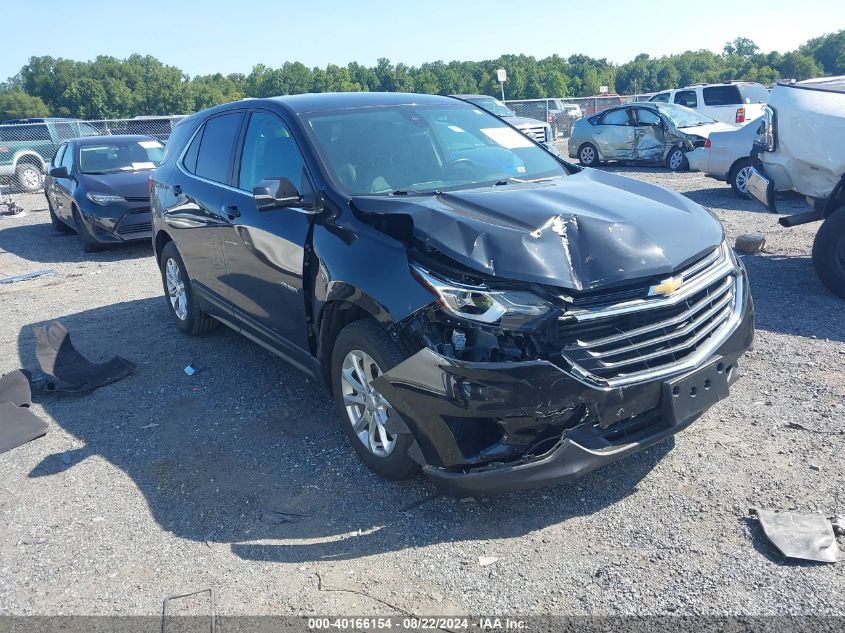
(110, 138)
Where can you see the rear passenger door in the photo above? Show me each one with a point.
(614, 135)
(265, 250)
(196, 193)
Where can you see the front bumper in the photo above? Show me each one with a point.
(486, 427)
(114, 223)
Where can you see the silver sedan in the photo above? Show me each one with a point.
(727, 156)
(662, 132)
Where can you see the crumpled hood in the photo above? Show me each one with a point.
(706, 130)
(129, 184)
(581, 232)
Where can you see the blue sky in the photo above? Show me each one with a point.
(209, 36)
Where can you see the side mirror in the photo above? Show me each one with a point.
(275, 193)
(59, 172)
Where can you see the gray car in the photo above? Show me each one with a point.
(534, 129)
(661, 132)
(727, 156)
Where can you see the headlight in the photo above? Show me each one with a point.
(103, 198)
(508, 308)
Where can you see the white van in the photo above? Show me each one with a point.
(735, 102)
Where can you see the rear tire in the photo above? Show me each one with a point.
(58, 225)
(86, 240)
(738, 177)
(364, 340)
(29, 177)
(829, 252)
(179, 294)
(676, 160)
(588, 155)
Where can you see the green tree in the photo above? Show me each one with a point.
(16, 104)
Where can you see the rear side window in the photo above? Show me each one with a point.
(18, 133)
(215, 149)
(721, 95)
(754, 93)
(177, 140)
(686, 98)
(64, 131)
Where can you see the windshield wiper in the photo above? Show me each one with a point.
(508, 181)
(414, 192)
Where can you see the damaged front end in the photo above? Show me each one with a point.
(520, 385)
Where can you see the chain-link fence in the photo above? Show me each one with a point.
(561, 113)
(28, 145)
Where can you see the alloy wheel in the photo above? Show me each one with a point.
(676, 160)
(367, 410)
(741, 178)
(30, 178)
(176, 289)
(587, 155)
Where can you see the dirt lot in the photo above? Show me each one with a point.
(156, 485)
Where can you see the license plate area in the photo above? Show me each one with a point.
(688, 395)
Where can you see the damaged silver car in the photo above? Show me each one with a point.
(649, 132)
(479, 309)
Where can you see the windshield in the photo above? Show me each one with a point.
(493, 106)
(120, 156)
(681, 116)
(414, 149)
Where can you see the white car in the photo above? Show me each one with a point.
(736, 102)
(727, 156)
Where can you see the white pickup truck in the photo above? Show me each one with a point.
(802, 148)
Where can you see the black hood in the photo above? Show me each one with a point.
(129, 184)
(584, 231)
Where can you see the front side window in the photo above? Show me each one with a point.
(57, 159)
(64, 131)
(67, 159)
(646, 117)
(662, 97)
(616, 117)
(120, 156)
(423, 149)
(686, 98)
(269, 153)
(214, 151)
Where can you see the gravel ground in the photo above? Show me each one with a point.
(156, 484)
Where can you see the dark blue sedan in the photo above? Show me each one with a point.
(98, 187)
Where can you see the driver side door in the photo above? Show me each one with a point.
(265, 251)
(614, 135)
(650, 134)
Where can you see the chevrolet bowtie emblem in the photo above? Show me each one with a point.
(666, 287)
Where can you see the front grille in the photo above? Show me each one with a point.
(536, 133)
(134, 229)
(652, 336)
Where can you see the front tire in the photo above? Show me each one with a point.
(58, 225)
(829, 252)
(179, 294)
(362, 352)
(86, 240)
(588, 155)
(676, 160)
(738, 178)
(29, 177)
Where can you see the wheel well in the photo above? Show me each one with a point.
(735, 166)
(29, 159)
(336, 316)
(837, 199)
(162, 238)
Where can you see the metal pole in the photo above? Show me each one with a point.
(503, 90)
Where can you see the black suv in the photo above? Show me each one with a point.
(478, 307)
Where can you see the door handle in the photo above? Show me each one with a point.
(232, 212)
(177, 190)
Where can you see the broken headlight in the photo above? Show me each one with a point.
(509, 308)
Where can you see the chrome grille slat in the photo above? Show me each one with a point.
(694, 322)
(642, 339)
(670, 350)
